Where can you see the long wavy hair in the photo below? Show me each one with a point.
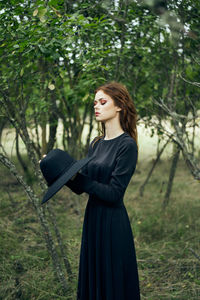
(128, 114)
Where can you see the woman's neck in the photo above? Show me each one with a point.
(113, 134)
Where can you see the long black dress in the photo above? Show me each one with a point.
(108, 267)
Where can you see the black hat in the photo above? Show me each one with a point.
(57, 168)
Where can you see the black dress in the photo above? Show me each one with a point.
(108, 267)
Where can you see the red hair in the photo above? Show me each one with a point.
(128, 114)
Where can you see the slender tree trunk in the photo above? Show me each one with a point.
(193, 133)
(44, 138)
(3, 121)
(171, 176)
(21, 127)
(52, 217)
(63, 139)
(52, 133)
(37, 147)
(90, 128)
(22, 163)
(158, 147)
(41, 214)
(142, 187)
(123, 8)
(53, 123)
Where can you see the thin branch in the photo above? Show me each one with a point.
(190, 82)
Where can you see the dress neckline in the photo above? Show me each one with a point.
(113, 138)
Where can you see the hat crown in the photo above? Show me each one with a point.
(54, 164)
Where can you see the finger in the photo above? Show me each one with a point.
(43, 157)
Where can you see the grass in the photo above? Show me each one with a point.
(165, 241)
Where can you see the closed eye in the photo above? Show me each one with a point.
(102, 102)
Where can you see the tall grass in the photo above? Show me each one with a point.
(166, 242)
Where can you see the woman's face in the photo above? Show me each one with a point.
(105, 106)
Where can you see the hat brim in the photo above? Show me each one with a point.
(60, 182)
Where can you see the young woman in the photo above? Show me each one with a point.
(108, 266)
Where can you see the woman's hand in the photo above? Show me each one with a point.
(42, 157)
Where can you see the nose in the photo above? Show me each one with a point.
(96, 105)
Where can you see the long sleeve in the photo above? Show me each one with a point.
(72, 184)
(113, 191)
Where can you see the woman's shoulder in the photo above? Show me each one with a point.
(128, 148)
(127, 141)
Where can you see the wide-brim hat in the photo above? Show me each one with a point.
(57, 168)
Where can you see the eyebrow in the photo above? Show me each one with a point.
(101, 99)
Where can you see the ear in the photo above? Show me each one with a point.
(119, 108)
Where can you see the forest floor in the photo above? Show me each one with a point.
(167, 242)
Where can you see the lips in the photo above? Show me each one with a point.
(97, 113)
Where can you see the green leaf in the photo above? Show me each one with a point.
(21, 72)
(35, 12)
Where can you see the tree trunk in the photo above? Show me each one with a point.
(41, 215)
(21, 127)
(22, 163)
(37, 146)
(53, 123)
(90, 129)
(44, 139)
(3, 122)
(171, 175)
(193, 132)
(152, 168)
